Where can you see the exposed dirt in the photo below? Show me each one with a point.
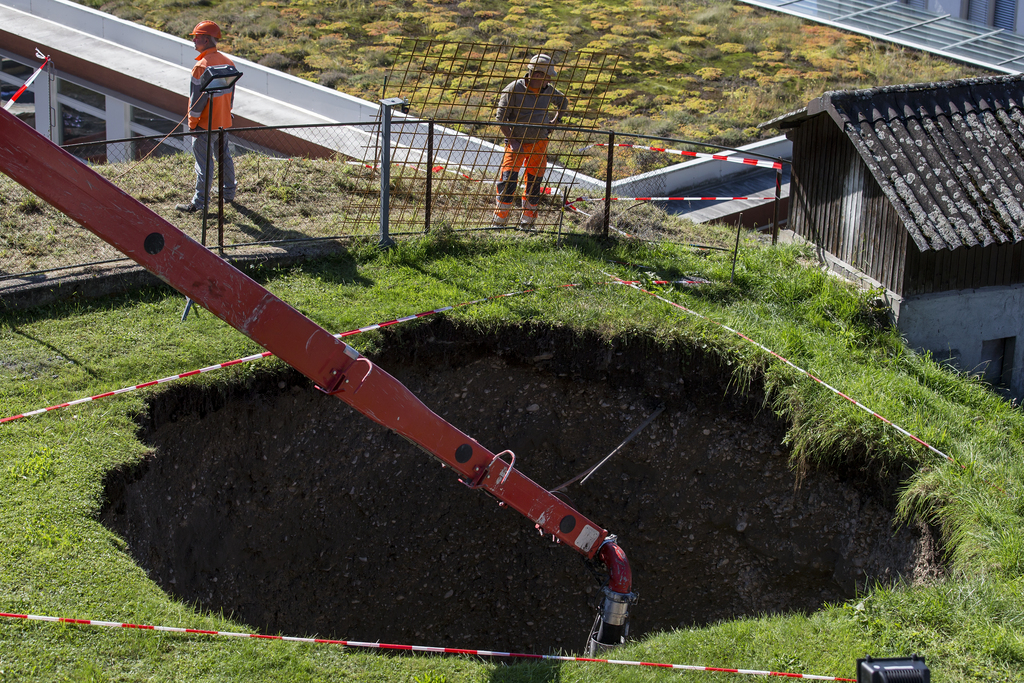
(281, 505)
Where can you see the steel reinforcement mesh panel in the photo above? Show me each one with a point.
(458, 86)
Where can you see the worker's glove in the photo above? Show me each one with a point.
(514, 145)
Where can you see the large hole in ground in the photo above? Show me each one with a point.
(282, 506)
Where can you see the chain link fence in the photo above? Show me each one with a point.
(299, 185)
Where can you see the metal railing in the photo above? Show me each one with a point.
(302, 185)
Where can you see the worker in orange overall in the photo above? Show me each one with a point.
(526, 101)
(204, 38)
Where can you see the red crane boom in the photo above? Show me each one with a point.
(65, 182)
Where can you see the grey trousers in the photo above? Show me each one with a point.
(206, 164)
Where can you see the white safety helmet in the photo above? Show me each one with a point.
(541, 63)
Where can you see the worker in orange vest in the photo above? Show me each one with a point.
(526, 101)
(204, 38)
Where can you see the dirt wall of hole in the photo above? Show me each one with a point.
(283, 506)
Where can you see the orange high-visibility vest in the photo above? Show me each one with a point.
(199, 102)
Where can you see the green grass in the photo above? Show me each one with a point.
(56, 559)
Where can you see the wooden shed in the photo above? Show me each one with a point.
(919, 189)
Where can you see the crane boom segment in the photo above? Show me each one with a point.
(339, 370)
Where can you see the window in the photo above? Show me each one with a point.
(1004, 15)
(80, 126)
(17, 70)
(12, 76)
(997, 360)
(82, 117)
(997, 13)
(81, 94)
(148, 123)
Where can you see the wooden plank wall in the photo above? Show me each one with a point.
(964, 268)
(836, 203)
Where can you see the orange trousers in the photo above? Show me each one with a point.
(533, 157)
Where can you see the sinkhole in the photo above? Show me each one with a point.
(270, 501)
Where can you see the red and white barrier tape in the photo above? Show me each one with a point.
(763, 163)
(19, 91)
(125, 390)
(764, 348)
(257, 356)
(415, 648)
(668, 199)
(575, 209)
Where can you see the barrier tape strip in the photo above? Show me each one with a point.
(828, 386)
(669, 199)
(578, 210)
(414, 648)
(258, 356)
(266, 354)
(23, 88)
(125, 390)
(763, 163)
(635, 284)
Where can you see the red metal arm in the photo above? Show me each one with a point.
(100, 206)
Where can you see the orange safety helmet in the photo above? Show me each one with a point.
(206, 28)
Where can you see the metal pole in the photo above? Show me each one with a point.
(608, 183)
(220, 191)
(430, 175)
(585, 474)
(561, 214)
(386, 105)
(778, 200)
(736, 253)
(206, 178)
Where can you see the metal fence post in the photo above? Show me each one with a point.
(608, 183)
(778, 199)
(220, 191)
(430, 175)
(736, 252)
(386, 105)
(206, 177)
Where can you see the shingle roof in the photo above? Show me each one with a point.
(948, 156)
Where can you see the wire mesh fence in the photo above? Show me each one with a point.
(301, 184)
(449, 166)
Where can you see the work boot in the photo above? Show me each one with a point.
(500, 217)
(528, 218)
(188, 208)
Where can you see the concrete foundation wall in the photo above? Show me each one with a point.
(974, 328)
